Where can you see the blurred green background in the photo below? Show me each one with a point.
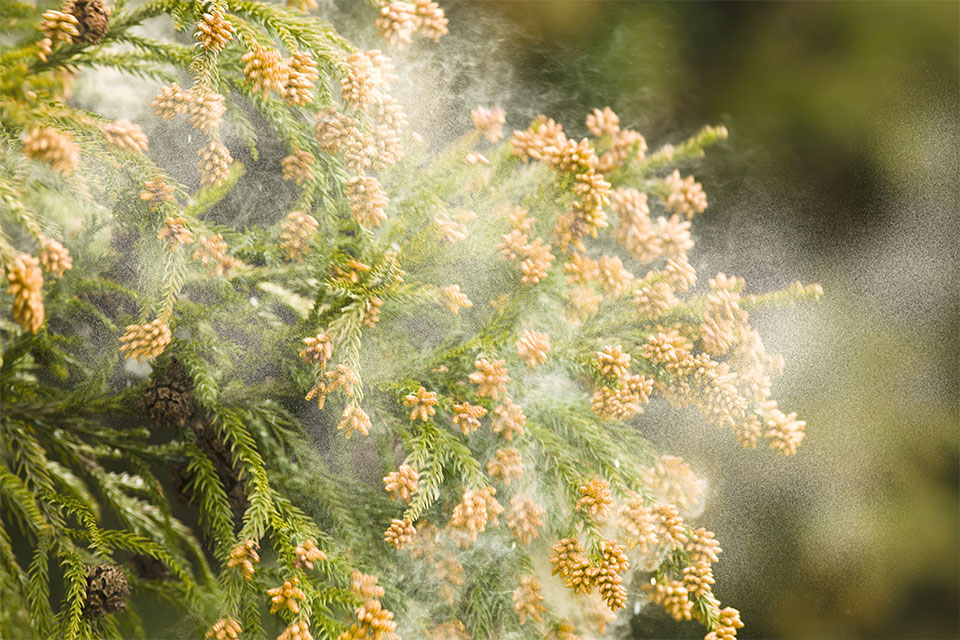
(842, 168)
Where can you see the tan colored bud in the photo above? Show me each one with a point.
(367, 200)
(214, 31)
(296, 234)
(53, 147)
(126, 135)
(214, 164)
(54, 257)
(24, 283)
(489, 122)
(265, 70)
(143, 341)
(59, 26)
(455, 299)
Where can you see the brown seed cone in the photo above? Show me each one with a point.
(179, 480)
(149, 568)
(92, 16)
(229, 474)
(107, 590)
(228, 470)
(168, 400)
(177, 408)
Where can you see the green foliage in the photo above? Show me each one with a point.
(209, 451)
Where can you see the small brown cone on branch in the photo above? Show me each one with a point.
(168, 400)
(149, 568)
(107, 590)
(93, 18)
